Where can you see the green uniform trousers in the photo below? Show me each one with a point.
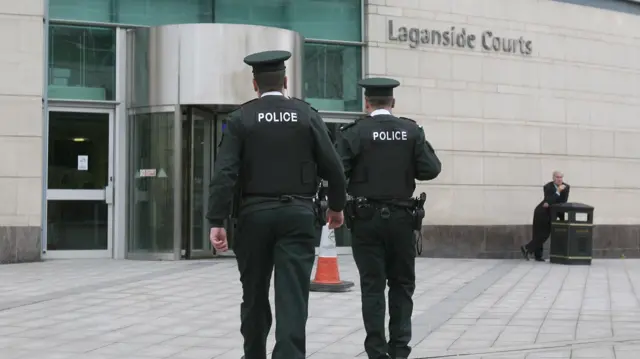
(384, 251)
(283, 236)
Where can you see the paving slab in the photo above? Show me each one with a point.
(464, 308)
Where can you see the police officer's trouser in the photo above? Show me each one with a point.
(284, 237)
(384, 249)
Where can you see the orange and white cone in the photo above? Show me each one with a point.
(327, 272)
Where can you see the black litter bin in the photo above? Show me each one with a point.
(571, 233)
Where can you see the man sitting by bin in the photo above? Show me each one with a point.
(556, 191)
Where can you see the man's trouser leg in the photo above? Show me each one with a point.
(369, 255)
(536, 246)
(401, 273)
(294, 253)
(253, 248)
(543, 235)
(540, 231)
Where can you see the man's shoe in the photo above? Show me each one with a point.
(539, 259)
(525, 253)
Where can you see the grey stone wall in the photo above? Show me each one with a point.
(503, 242)
(20, 244)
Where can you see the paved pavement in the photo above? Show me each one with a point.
(103, 309)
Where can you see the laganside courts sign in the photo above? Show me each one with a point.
(459, 38)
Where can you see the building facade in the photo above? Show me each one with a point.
(507, 91)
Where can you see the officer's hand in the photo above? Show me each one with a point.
(561, 188)
(218, 238)
(334, 219)
(546, 205)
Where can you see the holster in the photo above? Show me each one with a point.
(349, 213)
(418, 211)
(418, 216)
(358, 208)
(320, 208)
(321, 205)
(363, 209)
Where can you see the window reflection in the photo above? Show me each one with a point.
(333, 20)
(331, 75)
(81, 63)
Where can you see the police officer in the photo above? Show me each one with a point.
(275, 149)
(383, 155)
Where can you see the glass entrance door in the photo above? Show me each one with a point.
(202, 131)
(198, 151)
(80, 183)
(152, 185)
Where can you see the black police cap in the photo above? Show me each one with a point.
(378, 86)
(267, 61)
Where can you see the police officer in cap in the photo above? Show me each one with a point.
(382, 156)
(275, 149)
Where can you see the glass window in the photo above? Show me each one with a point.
(327, 19)
(71, 136)
(318, 19)
(83, 10)
(331, 75)
(151, 183)
(163, 12)
(81, 63)
(77, 225)
(136, 12)
(267, 13)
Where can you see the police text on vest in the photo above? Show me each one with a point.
(278, 116)
(390, 135)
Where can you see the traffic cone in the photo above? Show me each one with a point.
(327, 273)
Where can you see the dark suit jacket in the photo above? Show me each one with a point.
(542, 214)
(551, 197)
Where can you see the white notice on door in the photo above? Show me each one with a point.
(83, 163)
(148, 173)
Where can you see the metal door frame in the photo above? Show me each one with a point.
(106, 194)
(213, 130)
(208, 118)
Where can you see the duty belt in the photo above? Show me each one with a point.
(285, 198)
(414, 205)
(399, 203)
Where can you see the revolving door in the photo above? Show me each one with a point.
(201, 133)
(181, 83)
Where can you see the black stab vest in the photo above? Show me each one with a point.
(384, 169)
(278, 157)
